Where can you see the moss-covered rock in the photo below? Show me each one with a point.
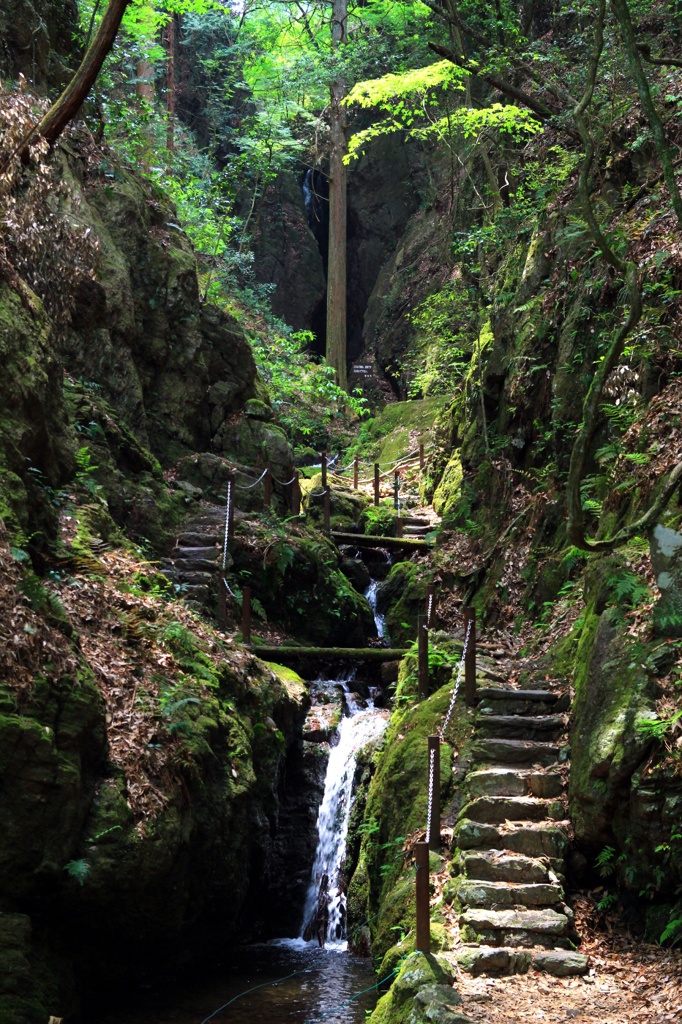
(422, 990)
(402, 598)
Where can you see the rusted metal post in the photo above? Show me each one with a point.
(377, 483)
(433, 838)
(399, 526)
(231, 495)
(246, 616)
(356, 473)
(296, 495)
(431, 605)
(396, 489)
(267, 488)
(470, 658)
(423, 942)
(222, 603)
(324, 469)
(421, 456)
(423, 656)
(327, 511)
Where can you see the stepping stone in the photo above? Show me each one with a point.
(473, 835)
(514, 782)
(209, 553)
(497, 809)
(494, 961)
(515, 752)
(548, 841)
(543, 922)
(561, 963)
(498, 866)
(521, 727)
(509, 894)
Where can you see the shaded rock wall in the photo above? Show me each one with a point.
(37, 41)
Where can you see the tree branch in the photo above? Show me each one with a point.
(541, 112)
(660, 62)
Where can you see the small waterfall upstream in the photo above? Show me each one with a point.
(379, 620)
(324, 916)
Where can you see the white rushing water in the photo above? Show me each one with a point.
(326, 892)
(379, 620)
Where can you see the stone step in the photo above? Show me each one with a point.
(502, 962)
(496, 809)
(521, 727)
(196, 564)
(523, 707)
(542, 840)
(507, 693)
(545, 922)
(207, 553)
(514, 782)
(505, 752)
(199, 540)
(198, 579)
(195, 592)
(501, 866)
(509, 894)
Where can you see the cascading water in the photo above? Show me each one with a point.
(379, 620)
(324, 915)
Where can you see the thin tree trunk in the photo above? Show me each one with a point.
(338, 182)
(170, 96)
(63, 111)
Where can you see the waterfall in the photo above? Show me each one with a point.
(379, 620)
(324, 917)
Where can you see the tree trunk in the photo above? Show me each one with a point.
(170, 97)
(63, 111)
(338, 174)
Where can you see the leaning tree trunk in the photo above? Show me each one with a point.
(63, 111)
(336, 275)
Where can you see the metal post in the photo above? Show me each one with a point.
(327, 511)
(431, 605)
(356, 473)
(376, 483)
(470, 659)
(231, 495)
(421, 456)
(296, 495)
(396, 489)
(222, 603)
(423, 653)
(267, 488)
(399, 526)
(423, 943)
(324, 470)
(246, 617)
(433, 838)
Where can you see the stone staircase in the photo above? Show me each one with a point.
(192, 565)
(511, 838)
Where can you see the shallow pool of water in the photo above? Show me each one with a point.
(282, 982)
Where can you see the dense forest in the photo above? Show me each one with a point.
(329, 330)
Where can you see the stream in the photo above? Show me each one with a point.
(293, 980)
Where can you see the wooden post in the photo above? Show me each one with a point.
(421, 456)
(296, 495)
(431, 605)
(246, 617)
(433, 838)
(267, 488)
(356, 472)
(327, 511)
(377, 483)
(396, 489)
(470, 659)
(423, 942)
(399, 526)
(324, 469)
(423, 654)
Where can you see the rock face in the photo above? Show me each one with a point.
(37, 41)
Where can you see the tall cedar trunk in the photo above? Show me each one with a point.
(170, 95)
(336, 276)
(63, 111)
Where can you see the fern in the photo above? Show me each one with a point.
(78, 870)
(673, 930)
(627, 586)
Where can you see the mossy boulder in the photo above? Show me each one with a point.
(422, 991)
(402, 598)
(448, 493)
